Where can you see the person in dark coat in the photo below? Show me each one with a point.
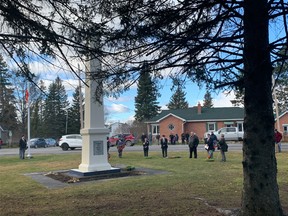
(210, 146)
(193, 144)
(213, 137)
(187, 137)
(164, 146)
(183, 138)
(146, 147)
(120, 146)
(176, 138)
(143, 137)
(171, 139)
(22, 147)
(158, 139)
(223, 147)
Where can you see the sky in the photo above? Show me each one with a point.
(122, 109)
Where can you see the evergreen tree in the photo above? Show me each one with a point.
(177, 100)
(55, 113)
(146, 105)
(36, 109)
(207, 100)
(8, 116)
(74, 114)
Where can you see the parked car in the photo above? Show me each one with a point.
(71, 141)
(128, 138)
(37, 143)
(230, 133)
(51, 142)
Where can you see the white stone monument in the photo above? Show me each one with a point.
(94, 134)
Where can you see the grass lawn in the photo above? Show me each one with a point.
(192, 186)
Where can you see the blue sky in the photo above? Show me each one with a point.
(123, 108)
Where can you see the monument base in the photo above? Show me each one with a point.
(77, 172)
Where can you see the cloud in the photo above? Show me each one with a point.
(120, 99)
(117, 108)
(224, 99)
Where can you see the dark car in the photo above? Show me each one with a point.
(37, 143)
(51, 142)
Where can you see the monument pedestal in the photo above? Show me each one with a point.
(94, 153)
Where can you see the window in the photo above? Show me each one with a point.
(171, 127)
(285, 129)
(155, 129)
(223, 130)
(211, 126)
(231, 129)
(240, 126)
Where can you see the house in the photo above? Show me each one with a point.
(200, 120)
(197, 119)
(118, 128)
(283, 124)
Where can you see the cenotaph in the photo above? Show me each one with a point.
(94, 134)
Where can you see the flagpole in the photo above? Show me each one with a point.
(27, 97)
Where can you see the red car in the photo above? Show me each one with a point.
(128, 138)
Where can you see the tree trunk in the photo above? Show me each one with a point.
(260, 194)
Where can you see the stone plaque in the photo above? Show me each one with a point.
(98, 148)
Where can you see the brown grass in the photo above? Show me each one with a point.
(192, 186)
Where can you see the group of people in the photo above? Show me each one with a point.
(211, 144)
(163, 143)
(193, 141)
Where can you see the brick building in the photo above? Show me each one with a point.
(200, 120)
(197, 119)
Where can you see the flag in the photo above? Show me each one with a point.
(26, 96)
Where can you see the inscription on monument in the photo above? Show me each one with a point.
(98, 147)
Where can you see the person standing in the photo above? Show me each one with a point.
(213, 137)
(223, 147)
(187, 138)
(176, 138)
(120, 146)
(22, 147)
(1, 143)
(183, 137)
(193, 144)
(164, 146)
(210, 146)
(143, 137)
(158, 139)
(146, 147)
(278, 138)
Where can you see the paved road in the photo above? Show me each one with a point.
(154, 148)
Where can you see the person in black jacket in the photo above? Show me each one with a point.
(22, 147)
(164, 146)
(223, 147)
(193, 144)
(146, 147)
(210, 146)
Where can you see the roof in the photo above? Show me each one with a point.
(281, 115)
(207, 114)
